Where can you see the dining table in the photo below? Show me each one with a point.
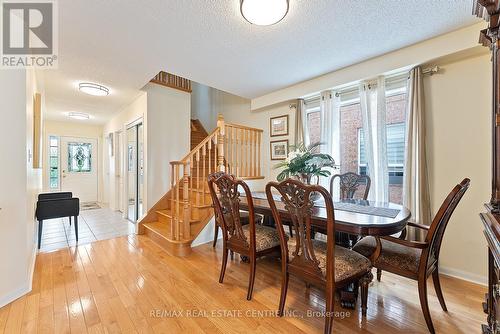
(352, 216)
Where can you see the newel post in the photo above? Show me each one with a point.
(220, 143)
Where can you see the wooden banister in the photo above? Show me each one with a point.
(242, 144)
(172, 81)
(231, 148)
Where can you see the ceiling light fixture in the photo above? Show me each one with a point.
(93, 89)
(78, 115)
(264, 12)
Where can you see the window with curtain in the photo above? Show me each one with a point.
(351, 144)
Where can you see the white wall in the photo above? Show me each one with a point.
(20, 184)
(208, 102)
(72, 129)
(203, 106)
(168, 136)
(458, 107)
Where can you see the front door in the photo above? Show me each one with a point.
(79, 167)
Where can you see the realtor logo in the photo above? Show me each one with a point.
(28, 34)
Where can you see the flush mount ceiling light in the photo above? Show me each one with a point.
(78, 115)
(264, 12)
(93, 89)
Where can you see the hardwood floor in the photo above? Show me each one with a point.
(130, 285)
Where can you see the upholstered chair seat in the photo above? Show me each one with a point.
(347, 262)
(244, 220)
(392, 254)
(265, 237)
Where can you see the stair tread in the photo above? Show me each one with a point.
(161, 229)
(203, 206)
(167, 213)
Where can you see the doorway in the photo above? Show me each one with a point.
(79, 167)
(135, 171)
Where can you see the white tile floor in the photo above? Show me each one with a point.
(93, 225)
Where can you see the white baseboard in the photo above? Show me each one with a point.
(464, 275)
(21, 291)
(26, 286)
(31, 269)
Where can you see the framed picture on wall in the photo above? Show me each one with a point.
(279, 126)
(279, 149)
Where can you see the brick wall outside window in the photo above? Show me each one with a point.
(350, 123)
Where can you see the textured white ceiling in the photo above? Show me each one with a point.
(122, 44)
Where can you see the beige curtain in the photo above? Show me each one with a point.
(415, 180)
(299, 121)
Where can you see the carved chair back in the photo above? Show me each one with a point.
(436, 230)
(349, 183)
(297, 206)
(224, 190)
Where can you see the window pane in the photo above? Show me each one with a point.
(395, 118)
(395, 144)
(350, 125)
(79, 157)
(361, 149)
(314, 126)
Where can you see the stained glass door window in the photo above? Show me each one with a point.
(79, 157)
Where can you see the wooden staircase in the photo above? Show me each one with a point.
(182, 213)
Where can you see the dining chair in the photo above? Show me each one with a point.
(317, 262)
(251, 240)
(349, 184)
(414, 259)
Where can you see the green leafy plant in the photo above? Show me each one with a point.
(304, 162)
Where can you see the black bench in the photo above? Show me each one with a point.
(56, 205)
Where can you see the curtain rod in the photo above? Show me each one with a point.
(431, 70)
(350, 89)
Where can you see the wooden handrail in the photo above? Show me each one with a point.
(211, 136)
(238, 126)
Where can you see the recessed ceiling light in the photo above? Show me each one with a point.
(93, 89)
(78, 115)
(264, 12)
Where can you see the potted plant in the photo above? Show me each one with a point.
(304, 162)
